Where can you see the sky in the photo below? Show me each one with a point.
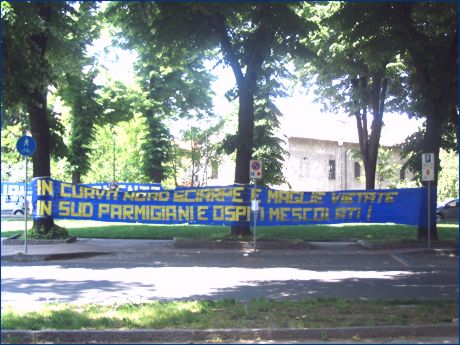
(302, 117)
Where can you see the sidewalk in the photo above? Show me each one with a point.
(87, 247)
(55, 251)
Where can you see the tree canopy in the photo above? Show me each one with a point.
(357, 70)
(426, 36)
(362, 59)
(42, 43)
(251, 38)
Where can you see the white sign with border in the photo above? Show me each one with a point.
(427, 166)
(255, 169)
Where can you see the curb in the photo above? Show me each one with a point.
(21, 257)
(286, 245)
(422, 248)
(14, 241)
(242, 245)
(187, 335)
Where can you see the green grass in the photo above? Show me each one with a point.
(232, 314)
(370, 232)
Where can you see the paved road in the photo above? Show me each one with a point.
(138, 271)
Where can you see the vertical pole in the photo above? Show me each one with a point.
(345, 170)
(255, 214)
(340, 172)
(113, 161)
(206, 159)
(429, 216)
(25, 211)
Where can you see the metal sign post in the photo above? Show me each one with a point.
(255, 209)
(26, 146)
(255, 172)
(429, 217)
(428, 176)
(25, 211)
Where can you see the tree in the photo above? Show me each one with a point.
(386, 168)
(448, 186)
(424, 37)
(201, 150)
(247, 34)
(173, 81)
(356, 70)
(41, 41)
(268, 147)
(434, 71)
(412, 149)
(156, 147)
(80, 95)
(118, 144)
(426, 34)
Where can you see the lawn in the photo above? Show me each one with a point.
(448, 232)
(261, 313)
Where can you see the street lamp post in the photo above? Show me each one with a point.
(113, 160)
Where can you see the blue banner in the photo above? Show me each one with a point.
(228, 205)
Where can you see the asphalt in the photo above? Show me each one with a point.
(83, 248)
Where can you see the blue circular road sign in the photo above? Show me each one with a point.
(26, 145)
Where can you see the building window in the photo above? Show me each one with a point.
(214, 170)
(331, 169)
(357, 170)
(402, 174)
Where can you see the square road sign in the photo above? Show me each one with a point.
(427, 166)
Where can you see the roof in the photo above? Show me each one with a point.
(342, 128)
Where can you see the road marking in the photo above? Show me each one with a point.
(428, 285)
(400, 260)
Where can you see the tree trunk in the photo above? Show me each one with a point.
(245, 143)
(369, 143)
(245, 136)
(156, 176)
(76, 177)
(379, 89)
(369, 159)
(37, 108)
(431, 144)
(153, 166)
(437, 104)
(255, 56)
(369, 172)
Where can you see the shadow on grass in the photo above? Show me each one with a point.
(261, 313)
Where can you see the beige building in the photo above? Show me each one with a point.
(326, 165)
(318, 165)
(322, 165)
